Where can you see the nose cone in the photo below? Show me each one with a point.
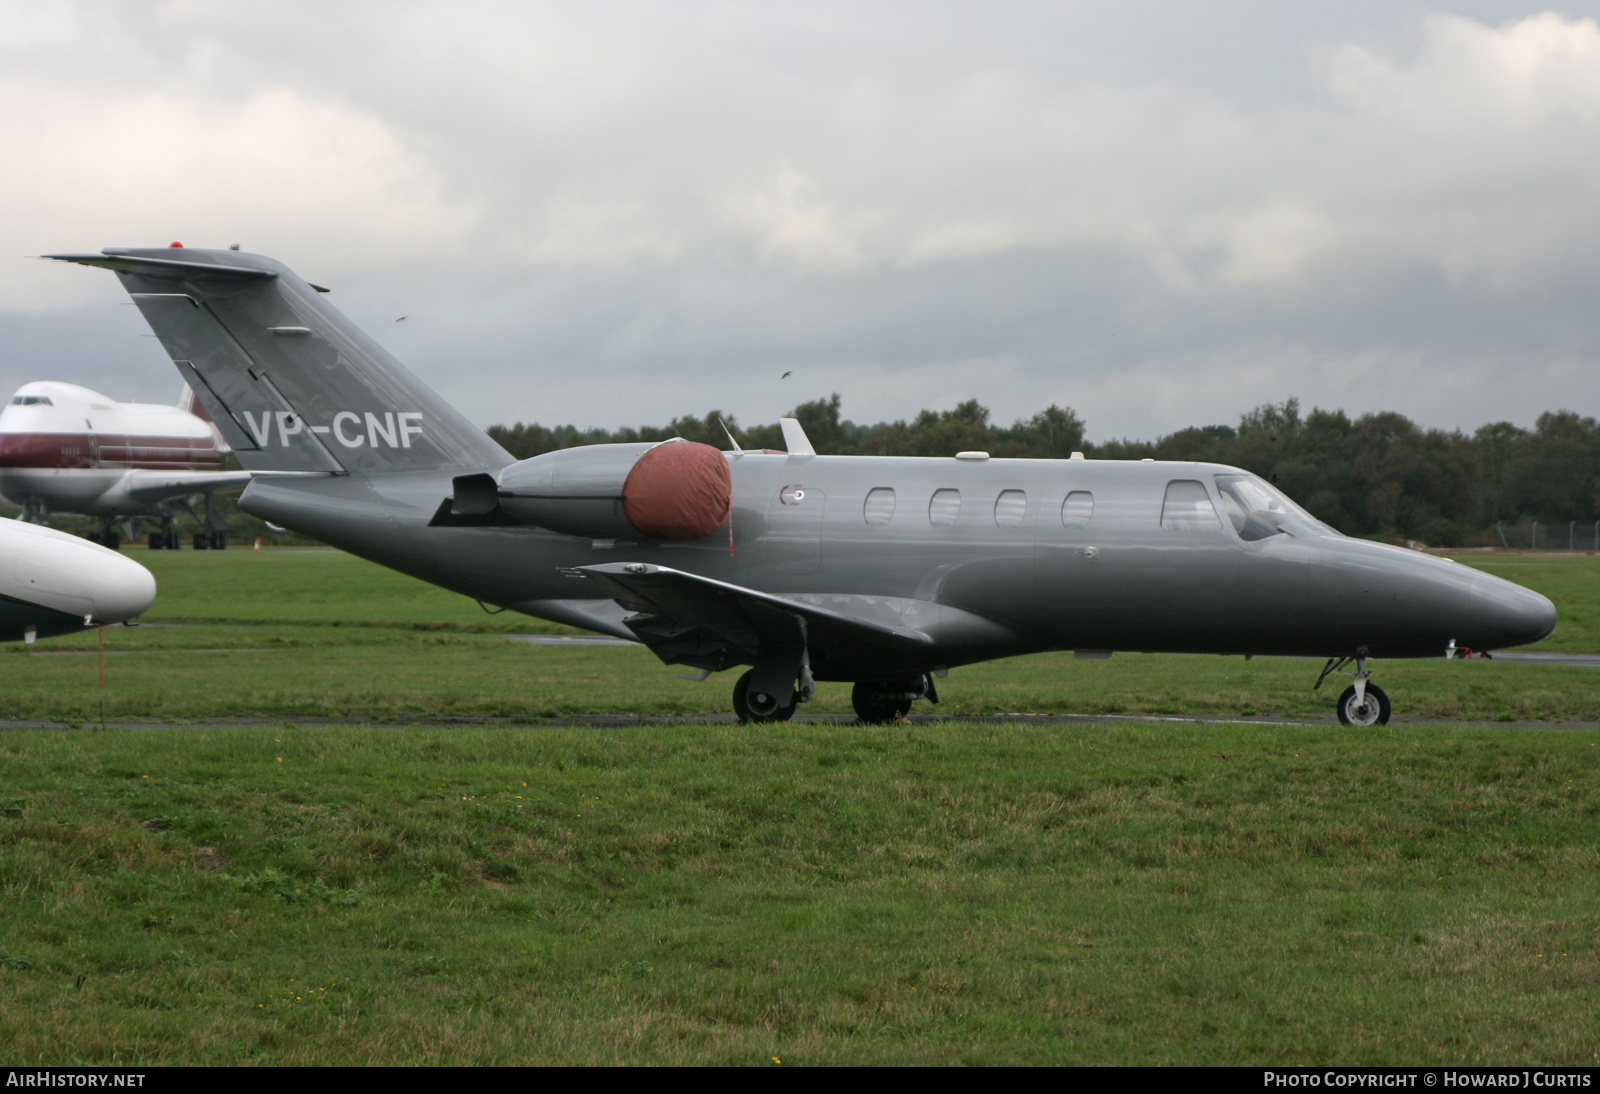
(62, 573)
(1504, 614)
(120, 588)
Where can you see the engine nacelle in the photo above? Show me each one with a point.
(675, 489)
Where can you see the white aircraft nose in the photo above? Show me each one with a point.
(120, 588)
(53, 570)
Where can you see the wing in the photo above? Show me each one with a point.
(145, 486)
(691, 620)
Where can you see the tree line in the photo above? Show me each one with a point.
(1377, 475)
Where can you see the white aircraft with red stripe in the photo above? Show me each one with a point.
(67, 449)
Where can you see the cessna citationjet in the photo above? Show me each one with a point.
(885, 572)
(66, 449)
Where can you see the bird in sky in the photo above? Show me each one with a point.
(786, 375)
(403, 318)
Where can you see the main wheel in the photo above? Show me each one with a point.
(174, 540)
(1373, 712)
(878, 703)
(201, 541)
(219, 541)
(757, 706)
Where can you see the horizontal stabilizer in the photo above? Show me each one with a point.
(691, 620)
(163, 267)
(152, 486)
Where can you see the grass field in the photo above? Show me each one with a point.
(322, 634)
(950, 894)
(804, 894)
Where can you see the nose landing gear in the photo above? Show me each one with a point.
(1363, 703)
(1370, 709)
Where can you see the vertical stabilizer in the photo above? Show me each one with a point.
(290, 383)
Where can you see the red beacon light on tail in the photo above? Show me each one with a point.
(175, 243)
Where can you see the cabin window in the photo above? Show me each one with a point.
(944, 508)
(1078, 510)
(1010, 507)
(1188, 508)
(879, 507)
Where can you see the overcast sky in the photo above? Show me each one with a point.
(614, 213)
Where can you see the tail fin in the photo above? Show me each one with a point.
(190, 405)
(290, 382)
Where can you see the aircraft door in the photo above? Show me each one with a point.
(1192, 569)
(793, 540)
(1276, 567)
(1066, 553)
(1154, 569)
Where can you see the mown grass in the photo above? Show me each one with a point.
(326, 635)
(949, 894)
(373, 674)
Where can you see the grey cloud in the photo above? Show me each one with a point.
(615, 213)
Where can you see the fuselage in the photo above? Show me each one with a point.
(874, 570)
(870, 569)
(67, 449)
(990, 556)
(55, 583)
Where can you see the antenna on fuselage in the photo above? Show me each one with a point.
(729, 433)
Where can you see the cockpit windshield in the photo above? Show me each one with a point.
(1258, 511)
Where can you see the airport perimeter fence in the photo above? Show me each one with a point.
(1574, 535)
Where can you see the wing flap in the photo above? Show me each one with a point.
(686, 619)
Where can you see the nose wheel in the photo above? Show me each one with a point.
(1363, 702)
(1371, 709)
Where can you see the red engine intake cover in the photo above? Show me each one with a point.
(678, 490)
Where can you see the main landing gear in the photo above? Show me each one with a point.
(165, 538)
(877, 702)
(107, 536)
(881, 701)
(1363, 702)
(759, 706)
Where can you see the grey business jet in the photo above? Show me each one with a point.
(885, 572)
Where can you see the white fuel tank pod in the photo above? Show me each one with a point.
(674, 490)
